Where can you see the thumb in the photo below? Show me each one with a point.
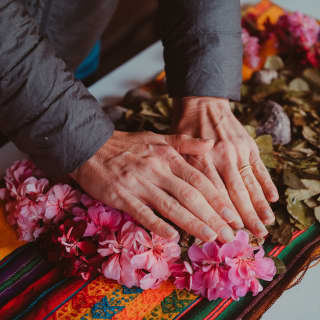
(185, 144)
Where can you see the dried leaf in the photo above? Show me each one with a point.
(264, 143)
(251, 130)
(280, 266)
(291, 180)
(298, 84)
(317, 213)
(300, 212)
(274, 63)
(312, 75)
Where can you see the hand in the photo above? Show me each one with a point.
(135, 172)
(249, 191)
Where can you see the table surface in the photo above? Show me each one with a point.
(301, 302)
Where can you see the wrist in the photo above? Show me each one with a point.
(192, 113)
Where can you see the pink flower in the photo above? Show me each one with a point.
(251, 49)
(155, 255)
(182, 274)
(104, 217)
(298, 29)
(17, 173)
(73, 240)
(60, 198)
(246, 266)
(210, 273)
(100, 217)
(32, 187)
(28, 215)
(229, 270)
(119, 248)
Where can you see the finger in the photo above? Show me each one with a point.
(230, 215)
(145, 216)
(241, 199)
(192, 200)
(264, 178)
(185, 144)
(257, 197)
(171, 209)
(198, 180)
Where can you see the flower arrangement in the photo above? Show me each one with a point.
(88, 237)
(296, 35)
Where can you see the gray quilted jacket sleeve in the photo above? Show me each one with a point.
(202, 47)
(43, 109)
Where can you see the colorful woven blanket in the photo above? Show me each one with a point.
(31, 288)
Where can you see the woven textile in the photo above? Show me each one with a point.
(31, 288)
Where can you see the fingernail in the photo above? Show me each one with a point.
(171, 233)
(226, 234)
(228, 215)
(274, 196)
(261, 230)
(238, 224)
(209, 233)
(269, 217)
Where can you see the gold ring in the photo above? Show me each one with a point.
(244, 168)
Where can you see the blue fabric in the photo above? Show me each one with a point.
(90, 64)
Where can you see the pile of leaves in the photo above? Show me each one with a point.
(280, 108)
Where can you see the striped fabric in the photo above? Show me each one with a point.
(30, 288)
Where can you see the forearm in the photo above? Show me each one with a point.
(202, 47)
(43, 110)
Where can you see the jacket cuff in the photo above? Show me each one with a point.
(202, 47)
(206, 67)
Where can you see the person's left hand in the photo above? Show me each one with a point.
(234, 165)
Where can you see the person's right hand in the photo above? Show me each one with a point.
(135, 172)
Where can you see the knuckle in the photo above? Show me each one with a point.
(235, 187)
(189, 194)
(261, 205)
(128, 177)
(168, 205)
(196, 179)
(151, 161)
(154, 225)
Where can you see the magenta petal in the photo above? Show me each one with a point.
(148, 282)
(196, 254)
(91, 230)
(140, 261)
(265, 269)
(160, 270)
(111, 269)
(211, 249)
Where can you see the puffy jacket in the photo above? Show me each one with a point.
(52, 117)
